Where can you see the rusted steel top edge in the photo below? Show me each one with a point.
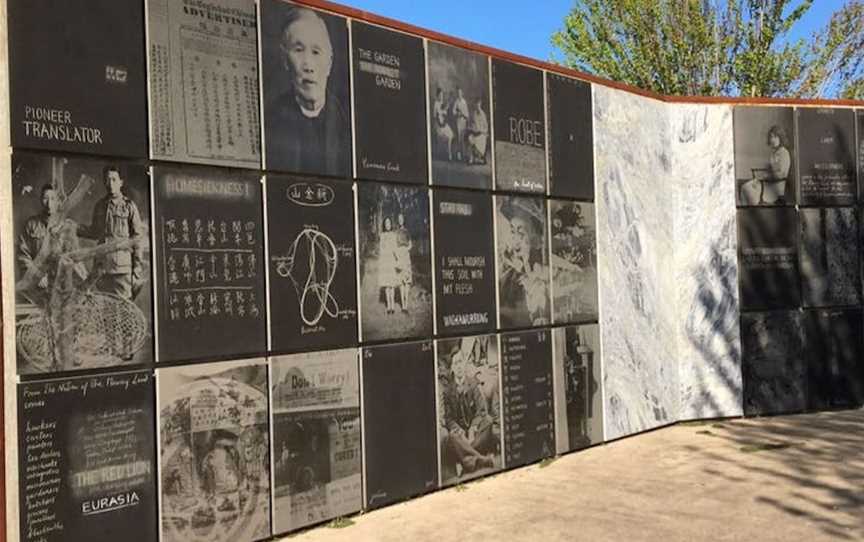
(372, 18)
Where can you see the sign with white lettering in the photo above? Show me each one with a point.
(209, 263)
(389, 105)
(768, 258)
(526, 381)
(75, 68)
(520, 127)
(86, 459)
(464, 262)
(827, 173)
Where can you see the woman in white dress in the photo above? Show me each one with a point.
(388, 277)
(404, 271)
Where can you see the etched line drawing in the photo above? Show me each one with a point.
(313, 292)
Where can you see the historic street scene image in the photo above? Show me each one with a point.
(316, 437)
(214, 446)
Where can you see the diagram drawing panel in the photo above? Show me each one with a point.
(312, 267)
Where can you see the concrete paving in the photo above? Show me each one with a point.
(792, 478)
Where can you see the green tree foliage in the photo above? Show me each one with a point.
(716, 47)
(836, 56)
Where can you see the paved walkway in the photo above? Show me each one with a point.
(787, 479)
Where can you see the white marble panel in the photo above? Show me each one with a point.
(706, 273)
(635, 208)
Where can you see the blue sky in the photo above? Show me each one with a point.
(508, 25)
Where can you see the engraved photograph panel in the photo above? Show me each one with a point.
(214, 452)
(83, 298)
(574, 261)
(312, 267)
(395, 262)
(464, 262)
(305, 89)
(830, 270)
(203, 69)
(765, 155)
(469, 407)
(209, 263)
(578, 380)
(523, 262)
(835, 358)
(401, 450)
(520, 127)
(459, 122)
(773, 363)
(389, 105)
(571, 137)
(87, 459)
(316, 438)
(75, 69)
(860, 136)
(768, 258)
(827, 169)
(529, 411)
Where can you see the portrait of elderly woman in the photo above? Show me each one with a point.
(307, 124)
(764, 156)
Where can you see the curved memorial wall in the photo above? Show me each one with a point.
(270, 263)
